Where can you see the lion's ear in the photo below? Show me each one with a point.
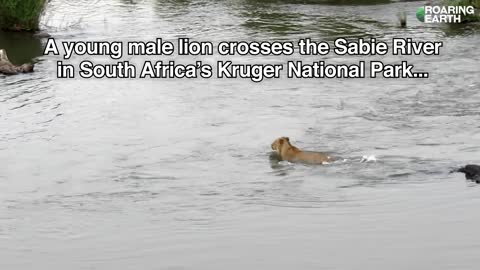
(288, 139)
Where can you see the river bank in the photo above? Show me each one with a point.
(21, 15)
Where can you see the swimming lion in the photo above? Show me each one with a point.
(288, 152)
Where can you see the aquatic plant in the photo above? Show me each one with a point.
(21, 15)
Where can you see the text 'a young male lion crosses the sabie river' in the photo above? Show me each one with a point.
(239, 69)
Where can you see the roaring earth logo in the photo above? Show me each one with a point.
(443, 14)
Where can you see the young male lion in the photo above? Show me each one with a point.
(290, 153)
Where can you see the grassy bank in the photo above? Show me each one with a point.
(21, 15)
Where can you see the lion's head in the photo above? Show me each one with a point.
(279, 143)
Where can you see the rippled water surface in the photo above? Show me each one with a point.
(177, 174)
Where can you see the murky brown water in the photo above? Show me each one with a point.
(175, 174)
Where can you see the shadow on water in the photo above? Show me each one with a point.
(457, 30)
(320, 21)
(21, 47)
(172, 8)
(274, 160)
(279, 167)
(273, 22)
(322, 2)
(129, 2)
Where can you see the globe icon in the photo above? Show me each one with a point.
(421, 14)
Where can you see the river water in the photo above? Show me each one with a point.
(177, 174)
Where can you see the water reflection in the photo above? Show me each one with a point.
(129, 2)
(171, 8)
(322, 2)
(273, 22)
(453, 30)
(319, 21)
(21, 47)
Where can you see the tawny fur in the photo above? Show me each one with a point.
(290, 153)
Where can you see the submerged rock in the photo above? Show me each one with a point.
(7, 68)
(472, 172)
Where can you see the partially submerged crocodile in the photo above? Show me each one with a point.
(7, 68)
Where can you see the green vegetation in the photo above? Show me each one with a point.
(21, 15)
(474, 3)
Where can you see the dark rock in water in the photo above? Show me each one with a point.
(7, 68)
(472, 172)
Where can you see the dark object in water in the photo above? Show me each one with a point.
(402, 17)
(472, 172)
(7, 68)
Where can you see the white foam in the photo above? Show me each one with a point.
(370, 158)
(341, 160)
